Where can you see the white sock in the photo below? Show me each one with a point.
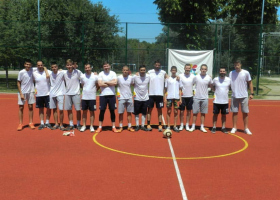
(187, 124)
(120, 125)
(113, 126)
(201, 126)
(100, 127)
(71, 123)
(47, 121)
(129, 125)
(193, 126)
(143, 120)
(214, 126)
(137, 120)
(182, 124)
(78, 122)
(42, 122)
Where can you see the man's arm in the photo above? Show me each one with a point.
(250, 84)
(19, 89)
(47, 73)
(102, 84)
(112, 82)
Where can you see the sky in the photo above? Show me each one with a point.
(136, 13)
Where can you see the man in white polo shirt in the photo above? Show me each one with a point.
(240, 80)
(89, 83)
(200, 102)
(107, 80)
(220, 87)
(156, 89)
(186, 86)
(125, 97)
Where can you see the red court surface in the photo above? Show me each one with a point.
(46, 165)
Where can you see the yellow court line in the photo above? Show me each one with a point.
(179, 158)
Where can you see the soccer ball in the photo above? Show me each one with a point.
(167, 133)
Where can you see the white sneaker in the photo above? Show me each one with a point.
(91, 129)
(187, 128)
(181, 128)
(233, 130)
(247, 131)
(203, 130)
(191, 129)
(83, 128)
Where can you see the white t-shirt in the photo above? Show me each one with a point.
(141, 87)
(186, 83)
(89, 88)
(72, 81)
(42, 83)
(124, 89)
(173, 86)
(201, 85)
(57, 83)
(239, 85)
(221, 90)
(156, 82)
(102, 76)
(26, 79)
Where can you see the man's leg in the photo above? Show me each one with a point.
(20, 116)
(181, 120)
(194, 121)
(120, 122)
(159, 110)
(41, 115)
(48, 116)
(61, 117)
(168, 117)
(30, 108)
(129, 119)
(55, 116)
(83, 128)
(245, 120)
(188, 119)
(234, 119)
(175, 116)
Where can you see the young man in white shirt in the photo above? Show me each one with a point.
(156, 89)
(42, 86)
(240, 80)
(125, 97)
(172, 96)
(57, 92)
(220, 86)
(202, 82)
(89, 83)
(72, 94)
(107, 80)
(141, 99)
(25, 87)
(186, 88)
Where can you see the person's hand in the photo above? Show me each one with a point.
(137, 73)
(22, 97)
(178, 78)
(95, 73)
(251, 96)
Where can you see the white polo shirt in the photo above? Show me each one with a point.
(26, 79)
(156, 82)
(57, 83)
(239, 85)
(124, 84)
(72, 81)
(222, 86)
(89, 88)
(172, 85)
(42, 83)
(201, 85)
(102, 76)
(141, 87)
(186, 83)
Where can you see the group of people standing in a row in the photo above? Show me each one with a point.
(61, 89)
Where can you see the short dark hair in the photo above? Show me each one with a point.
(53, 63)
(105, 62)
(204, 66)
(142, 66)
(27, 61)
(187, 64)
(222, 68)
(238, 61)
(157, 61)
(173, 67)
(125, 66)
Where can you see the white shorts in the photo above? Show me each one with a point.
(72, 99)
(125, 103)
(235, 102)
(29, 97)
(200, 105)
(57, 102)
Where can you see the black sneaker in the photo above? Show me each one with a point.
(78, 127)
(137, 128)
(224, 130)
(68, 128)
(213, 130)
(48, 126)
(42, 126)
(143, 128)
(176, 129)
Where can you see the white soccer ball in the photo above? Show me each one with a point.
(167, 133)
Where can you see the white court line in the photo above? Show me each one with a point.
(184, 195)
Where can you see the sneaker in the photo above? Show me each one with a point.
(137, 128)
(176, 129)
(42, 126)
(79, 127)
(19, 128)
(224, 130)
(149, 128)
(213, 130)
(55, 127)
(160, 128)
(83, 128)
(130, 129)
(91, 128)
(117, 131)
(62, 128)
(98, 130)
(187, 128)
(233, 130)
(192, 129)
(31, 125)
(181, 128)
(203, 130)
(168, 127)
(247, 131)
(66, 133)
(68, 128)
(48, 126)
(143, 128)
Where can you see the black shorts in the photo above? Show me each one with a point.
(89, 105)
(155, 99)
(140, 107)
(187, 103)
(104, 100)
(43, 102)
(220, 107)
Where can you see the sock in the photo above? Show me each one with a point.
(159, 123)
(143, 120)
(120, 125)
(193, 126)
(182, 124)
(137, 120)
(214, 126)
(187, 124)
(148, 122)
(201, 126)
(78, 123)
(222, 127)
(99, 126)
(42, 122)
(71, 123)
(113, 126)
(129, 125)
(47, 121)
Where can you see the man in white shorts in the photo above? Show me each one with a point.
(141, 99)
(125, 97)
(200, 101)
(42, 86)
(220, 87)
(107, 80)
(240, 80)
(156, 89)
(57, 94)
(172, 96)
(186, 87)
(89, 83)
(25, 87)
(72, 94)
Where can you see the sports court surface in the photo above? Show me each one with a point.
(46, 165)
